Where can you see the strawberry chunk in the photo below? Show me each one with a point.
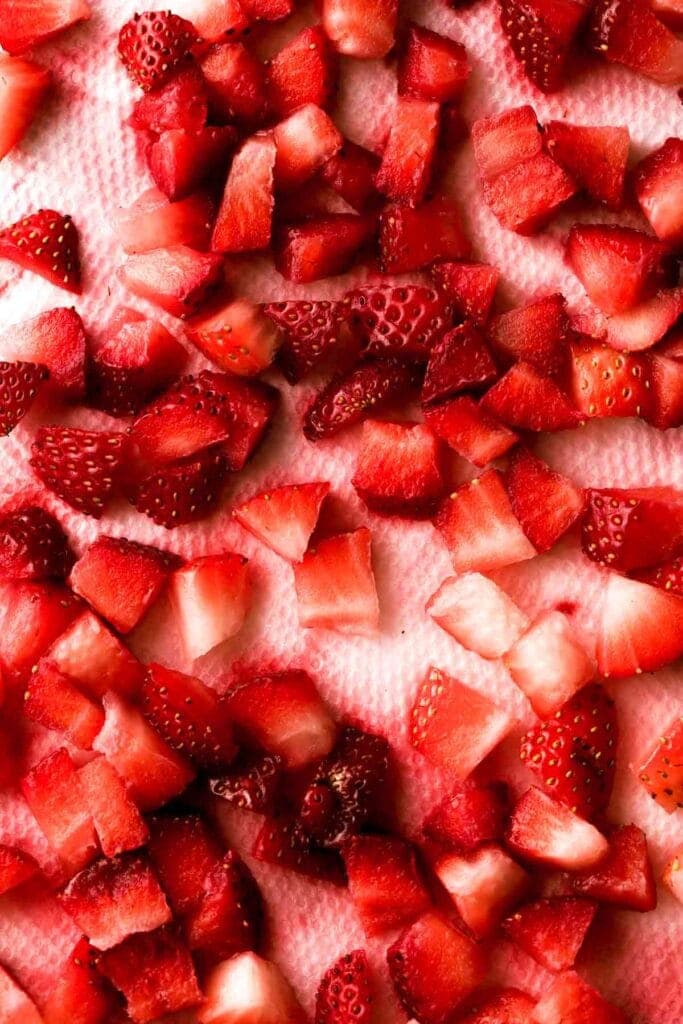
(80, 994)
(501, 1006)
(305, 141)
(405, 172)
(315, 333)
(503, 141)
(118, 823)
(152, 222)
(405, 321)
(528, 195)
(413, 238)
(46, 609)
(541, 34)
(181, 493)
(244, 221)
(55, 339)
(303, 71)
(478, 614)
(95, 659)
(17, 1006)
(285, 517)
(184, 850)
(252, 784)
(596, 158)
(384, 883)
(662, 772)
(33, 546)
(536, 333)
(633, 529)
(268, 10)
(23, 87)
(177, 278)
(345, 992)
(283, 842)
(236, 84)
(81, 466)
(351, 174)
(527, 400)
(473, 814)
(618, 267)
(432, 67)
(639, 628)
(551, 930)
(335, 585)
(484, 886)
(470, 286)
(608, 383)
(668, 576)
(153, 44)
(630, 33)
(16, 867)
(625, 877)
(645, 324)
(246, 988)
(460, 361)
(364, 29)
(216, 20)
(52, 700)
(546, 503)
(659, 188)
(667, 391)
(236, 336)
(46, 243)
(181, 103)
(250, 404)
(673, 876)
(470, 430)
(322, 247)
(181, 161)
(28, 23)
(544, 831)
(211, 598)
(351, 398)
(571, 1000)
(399, 468)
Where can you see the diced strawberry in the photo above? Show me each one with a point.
(454, 726)
(152, 222)
(478, 614)
(525, 399)
(484, 886)
(177, 278)
(305, 141)
(630, 33)
(95, 659)
(188, 716)
(673, 876)
(211, 598)
(479, 527)
(32, 616)
(432, 67)
(434, 967)
(249, 988)
(284, 518)
(471, 288)
(536, 333)
(405, 321)
(667, 392)
(551, 930)
(345, 992)
(608, 383)
(80, 994)
(659, 188)
(625, 876)
(349, 399)
(16, 867)
(596, 158)
(17, 1006)
(322, 247)
(525, 197)
(29, 22)
(153, 44)
(399, 468)
(268, 10)
(460, 361)
(81, 466)
(662, 772)
(384, 883)
(573, 753)
(118, 823)
(364, 29)
(244, 221)
(217, 20)
(182, 161)
(544, 831)
(303, 71)
(406, 167)
(470, 430)
(351, 174)
(56, 339)
(236, 336)
(152, 771)
(52, 700)
(236, 84)
(252, 784)
(500, 1006)
(335, 585)
(645, 324)
(250, 404)
(413, 238)
(670, 12)
(502, 141)
(546, 503)
(618, 267)
(33, 545)
(633, 529)
(639, 628)
(315, 332)
(228, 918)
(541, 34)
(282, 842)
(183, 492)
(473, 814)
(53, 791)
(180, 104)
(23, 86)
(571, 1000)
(46, 243)
(668, 576)
(184, 850)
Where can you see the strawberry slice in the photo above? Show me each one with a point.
(252, 784)
(431, 66)
(48, 607)
(152, 222)
(625, 877)
(470, 430)
(285, 517)
(478, 614)
(536, 333)
(546, 503)
(55, 339)
(528, 195)
(630, 33)
(384, 883)
(80, 994)
(503, 141)
(153, 44)
(473, 814)
(335, 585)
(181, 103)
(29, 22)
(54, 702)
(236, 84)
(365, 29)
(541, 34)
(528, 400)
(414, 238)
(406, 169)
(236, 336)
(399, 469)
(23, 86)
(662, 772)
(618, 267)
(20, 386)
(33, 546)
(571, 1000)
(548, 663)
(81, 466)
(596, 158)
(659, 189)
(18, 1006)
(211, 598)
(247, 987)
(322, 247)
(177, 278)
(605, 383)
(46, 243)
(639, 629)
(544, 831)
(483, 886)
(344, 994)
(182, 161)
(470, 286)
(405, 321)
(118, 823)
(501, 1006)
(244, 221)
(551, 931)
(633, 529)
(349, 399)
(303, 71)
(305, 141)
(315, 332)
(16, 867)
(460, 361)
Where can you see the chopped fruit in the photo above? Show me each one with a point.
(406, 168)
(625, 876)
(118, 823)
(23, 86)
(571, 1000)
(285, 715)
(81, 466)
(244, 221)
(351, 398)
(33, 546)
(399, 468)
(502, 141)
(471, 287)
(283, 843)
(668, 576)
(236, 84)
(250, 404)
(667, 391)
(414, 238)
(45, 243)
(152, 221)
(55, 339)
(527, 400)
(473, 814)
(303, 71)
(541, 34)
(17, 1006)
(434, 967)
(32, 616)
(484, 886)
(316, 332)
(80, 995)
(28, 23)
(640, 628)
(228, 919)
(95, 659)
(188, 716)
(546, 503)
(153, 44)
(252, 784)
(364, 29)
(52, 700)
(633, 529)
(16, 867)
(470, 430)
(153, 772)
(618, 267)
(267, 10)
(535, 333)
(211, 598)
(181, 493)
(609, 383)
(236, 336)
(479, 527)
(167, 983)
(405, 321)
(247, 989)
(454, 726)
(500, 1006)
(630, 33)
(432, 67)
(478, 614)
(670, 12)
(180, 104)
(596, 158)
(335, 585)
(351, 174)
(182, 161)
(573, 753)
(384, 883)
(184, 850)
(120, 579)
(673, 876)
(217, 20)
(662, 772)
(659, 188)
(527, 196)
(178, 279)
(344, 995)
(305, 141)
(544, 831)
(645, 324)
(285, 517)
(322, 247)
(460, 361)
(53, 791)
(551, 930)
(548, 663)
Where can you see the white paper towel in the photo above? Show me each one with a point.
(78, 158)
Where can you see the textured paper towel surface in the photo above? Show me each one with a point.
(79, 159)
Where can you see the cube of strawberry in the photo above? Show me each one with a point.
(659, 189)
(528, 400)
(500, 1006)
(252, 784)
(181, 161)
(284, 518)
(183, 849)
(95, 659)
(618, 267)
(624, 877)
(571, 1000)
(414, 238)
(32, 616)
(244, 221)
(335, 585)
(544, 831)
(80, 994)
(596, 158)
(33, 545)
(360, 30)
(502, 141)
(351, 174)
(399, 468)
(630, 33)
(470, 430)
(16, 867)
(236, 84)
(384, 882)
(478, 614)
(432, 66)
(470, 286)
(303, 71)
(305, 141)
(552, 930)
(409, 151)
(55, 339)
(535, 333)
(177, 278)
(472, 814)
(217, 20)
(211, 598)
(662, 772)
(484, 886)
(639, 629)
(17, 1005)
(54, 702)
(236, 336)
(153, 221)
(645, 324)
(460, 361)
(548, 663)
(546, 503)
(249, 988)
(181, 103)
(118, 823)
(322, 247)
(526, 197)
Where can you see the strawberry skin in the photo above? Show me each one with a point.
(55, 339)
(315, 332)
(344, 995)
(153, 44)
(45, 243)
(668, 576)
(349, 399)
(252, 784)
(662, 772)
(20, 385)
(183, 492)
(633, 529)
(629, 32)
(659, 190)
(541, 34)
(405, 322)
(81, 466)
(606, 383)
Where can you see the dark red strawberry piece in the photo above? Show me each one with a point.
(629, 32)
(662, 772)
(81, 995)
(182, 492)
(528, 195)
(399, 470)
(385, 884)
(470, 430)
(670, 12)
(45, 243)
(414, 238)
(432, 66)
(184, 849)
(177, 278)
(659, 186)
(536, 333)
(351, 174)
(303, 71)
(471, 287)
(403, 321)
(406, 169)
(33, 546)
(283, 843)
(609, 383)
(322, 247)
(252, 784)
(316, 332)
(81, 466)
(473, 814)
(28, 23)
(349, 399)
(229, 916)
(181, 104)
(16, 867)
(541, 34)
(551, 930)
(153, 44)
(633, 529)
(20, 385)
(527, 400)
(182, 161)
(345, 994)
(236, 84)
(596, 158)
(546, 503)
(618, 267)
(461, 361)
(668, 576)
(624, 877)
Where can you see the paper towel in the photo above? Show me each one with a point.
(79, 159)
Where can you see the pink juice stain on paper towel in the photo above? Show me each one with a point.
(82, 159)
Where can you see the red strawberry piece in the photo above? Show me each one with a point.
(384, 883)
(473, 814)
(470, 430)
(29, 22)
(303, 71)
(216, 20)
(283, 714)
(188, 716)
(526, 197)
(413, 238)
(618, 267)
(305, 141)
(546, 503)
(211, 598)
(23, 86)
(53, 792)
(434, 967)
(118, 823)
(236, 84)
(153, 222)
(500, 1006)
(95, 659)
(52, 700)
(668, 576)
(80, 994)
(471, 287)
(639, 628)
(453, 131)
(536, 333)
(479, 527)
(478, 614)
(228, 919)
(16, 867)
(335, 585)
(283, 843)
(645, 324)
(33, 546)
(251, 404)
(431, 66)
(322, 247)
(184, 850)
(177, 278)
(347, 400)
(168, 982)
(315, 332)
(596, 158)
(252, 784)
(181, 493)
(153, 772)
(344, 995)
(268, 10)
(662, 771)
(670, 12)
(483, 885)
(659, 188)
(406, 168)
(248, 986)
(181, 103)
(17, 1004)
(673, 876)
(49, 609)
(551, 930)
(633, 529)
(667, 391)
(399, 468)
(544, 831)
(548, 663)
(405, 321)
(460, 361)
(527, 400)
(285, 517)
(81, 466)
(45, 243)
(454, 726)
(360, 30)
(608, 383)
(244, 221)
(351, 174)
(153, 44)
(56, 339)
(625, 877)
(236, 336)
(573, 753)
(630, 33)
(182, 161)
(541, 34)
(503, 141)
(571, 1000)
